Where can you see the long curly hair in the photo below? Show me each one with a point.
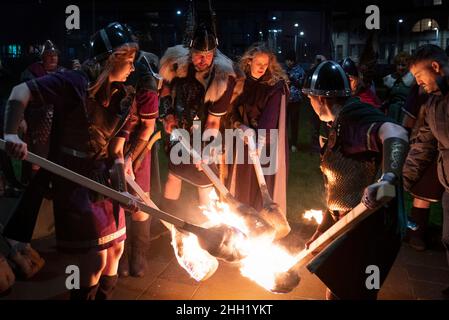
(274, 73)
(99, 72)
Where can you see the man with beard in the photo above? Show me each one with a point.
(430, 66)
(199, 85)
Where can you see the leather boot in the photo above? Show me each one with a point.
(84, 293)
(106, 287)
(417, 238)
(123, 266)
(140, 241)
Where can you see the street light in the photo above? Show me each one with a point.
(301, 33)
(178, 12)
(296, 25)
(437, 35)
(401, 20)
(274, 18)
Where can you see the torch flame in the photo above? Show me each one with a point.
(263, 261)
(198, 263)
(317, 215)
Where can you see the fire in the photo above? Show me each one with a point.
(198, 263)
(263, 261)
(317, 215)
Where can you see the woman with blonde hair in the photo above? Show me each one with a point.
(90, 108)
(262, 107)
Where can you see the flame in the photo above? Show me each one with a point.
(198, 263)
(317, 215)
(263, 261)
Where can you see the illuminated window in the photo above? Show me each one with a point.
(425, 25)
(14, 51)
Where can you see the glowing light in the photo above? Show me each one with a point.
(316, 215)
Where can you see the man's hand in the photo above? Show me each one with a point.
(15, 147)
(132, 205)
(315, 236)
(370, 195)
(170, 122)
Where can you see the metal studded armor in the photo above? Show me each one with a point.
(346, 177)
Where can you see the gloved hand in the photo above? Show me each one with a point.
(369, 198)
(15, 147)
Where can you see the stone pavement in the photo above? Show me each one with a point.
(415, 275)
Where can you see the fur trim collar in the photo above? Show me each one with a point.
(175, 64)
(407, 79)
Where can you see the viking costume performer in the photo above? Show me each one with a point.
(428, 189)
(38, 117)
(363, 145)
(138, 132)
(262, 107)
(398, 84)
(89, 109)
(358, 87)
(198, 86)
(430, 66)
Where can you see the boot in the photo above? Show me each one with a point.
(417, 237)
(140, 241)
(106, 287)
(84, 293)
(123, 266)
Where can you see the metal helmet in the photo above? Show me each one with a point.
(49, 47)
(328, 79)
(104, 41)
(350, 67)
(204, 39)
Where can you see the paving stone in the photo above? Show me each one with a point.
(434, 258)
(163, 289)
(396, 285)
(423, 273)
(174, 272)
(428, 290)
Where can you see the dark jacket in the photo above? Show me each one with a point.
(432, 138)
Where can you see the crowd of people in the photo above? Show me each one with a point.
(98, 118)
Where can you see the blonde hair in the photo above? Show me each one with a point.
(274, 73)
(101, 87)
